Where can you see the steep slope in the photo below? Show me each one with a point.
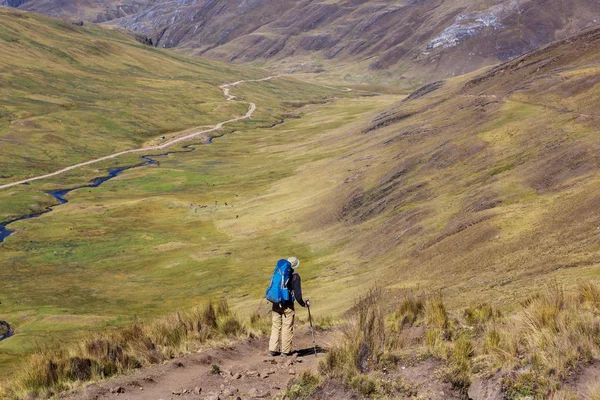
(483, 186)
(414, 38)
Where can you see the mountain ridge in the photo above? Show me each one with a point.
(427, 39)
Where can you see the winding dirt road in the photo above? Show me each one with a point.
(226, 92)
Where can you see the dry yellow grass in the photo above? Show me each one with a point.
(101, 355)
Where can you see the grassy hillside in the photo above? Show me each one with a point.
(156, 239)
(485, 186)
(70, 93)
(481, 188)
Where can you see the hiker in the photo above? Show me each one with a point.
(282, 330)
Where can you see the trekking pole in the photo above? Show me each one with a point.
(312, 330)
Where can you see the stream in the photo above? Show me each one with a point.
(9, 331)
(60, 194)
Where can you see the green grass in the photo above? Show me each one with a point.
(140, 245)
(88, 92)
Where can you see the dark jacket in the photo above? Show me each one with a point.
(294, 286)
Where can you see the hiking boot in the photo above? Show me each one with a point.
(274, 353)
(286, 354)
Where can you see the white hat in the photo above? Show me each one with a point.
(294, 261)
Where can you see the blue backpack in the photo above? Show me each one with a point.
(278, 291)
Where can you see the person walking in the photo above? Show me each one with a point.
(282, 329)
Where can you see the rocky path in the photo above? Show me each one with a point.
(241, 371)
(226, 92)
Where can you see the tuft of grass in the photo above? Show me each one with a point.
(589, 294)
(231, 327)
(260, 324)
(363, 344)
(458, 370)
(303, 387)
(325, 322)
(552, 334)
(564, 395)
(436, 315)
(411, 308)
(223, 307)
(481, 314)
(438, 326)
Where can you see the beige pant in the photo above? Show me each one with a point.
(282, 330)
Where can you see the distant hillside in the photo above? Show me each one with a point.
(88, 10)
(486, 183)
(428, 39)
(71, 94)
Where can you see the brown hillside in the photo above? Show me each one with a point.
(429, 38)
(484, 184)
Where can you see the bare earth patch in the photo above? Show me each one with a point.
(243, 369)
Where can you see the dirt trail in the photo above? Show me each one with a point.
(246, 371)
(225, 88)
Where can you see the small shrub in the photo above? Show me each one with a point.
(215, 369)
(363, 384)
(302, 387)
(521, 385)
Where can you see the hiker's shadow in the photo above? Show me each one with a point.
(310, 351)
